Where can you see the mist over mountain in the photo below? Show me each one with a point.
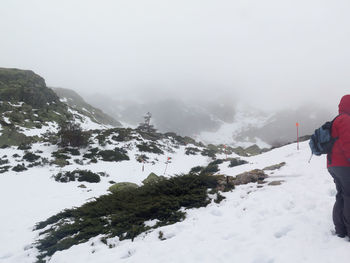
(169, 114)
(215, 121)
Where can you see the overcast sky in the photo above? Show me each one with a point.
(269, 53)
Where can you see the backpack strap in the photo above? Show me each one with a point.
(329, 156)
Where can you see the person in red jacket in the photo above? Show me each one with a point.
(338, 164)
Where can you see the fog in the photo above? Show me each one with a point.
(270, 54)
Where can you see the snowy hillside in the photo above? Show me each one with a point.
(290, 222)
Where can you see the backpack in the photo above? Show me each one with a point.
(321, 142)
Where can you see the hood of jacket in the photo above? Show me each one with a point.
(344, 105)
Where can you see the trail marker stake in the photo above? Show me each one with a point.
(297, 124)
(166, 164)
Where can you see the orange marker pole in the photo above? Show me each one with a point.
(166, 166)
(297, 124)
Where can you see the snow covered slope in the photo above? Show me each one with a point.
(286, 223)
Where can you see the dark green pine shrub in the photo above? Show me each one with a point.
(209, 152)
(4, 169)
(19, 168)
(71, 134)
(31, 157)
(24, 146)
(116, 155)
(123, 213)
(192, 151)
(196, 169)
(236, 162)
(92, 153)
(60, 154)
(4, 161)
(211, 169)
(149, 147)
(77, 175)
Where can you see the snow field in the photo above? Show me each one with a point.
(286, 223)
(273, 224)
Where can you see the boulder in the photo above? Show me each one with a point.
(122, 187)
(274, 167)
(152, 178)
(254, 176)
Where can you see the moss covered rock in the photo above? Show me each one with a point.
(124, 186)
(153, 178)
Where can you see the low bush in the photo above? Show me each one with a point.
(4, 169)
(116, 155)
(191, 151)
(236, 162)
(149, 147)
(4, 161)
(60, 155)
(78, 175)
(71, 134)
(209, 152)
(19, 168)
(123, 213)
(91, 153)
(30, 157)
(60, 162)
(24, 146)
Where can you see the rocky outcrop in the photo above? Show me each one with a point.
(25, 86)
(228, 182)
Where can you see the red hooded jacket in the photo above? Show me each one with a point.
(340, 155)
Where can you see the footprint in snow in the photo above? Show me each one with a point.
(216, 212)
(283, 231)
(128, 253)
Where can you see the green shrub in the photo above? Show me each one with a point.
(60, 155)
(4, 161)
(91, 153)
(60, 162)
(236, 162)
(71, 134)
(192, 151)
(210, 169)
(196, 169)
(79, 175)
(4, 169)
(209, 152)
(31, 157)
(123, 213)
(24, 146)
(116, 155)
(19, 168)
(149, 147)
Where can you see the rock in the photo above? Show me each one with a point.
(273, 183)
(225, 183)
(152, 178)
(253, 176)
(274, 167)
(122, 187)
(253, 150)
(82, 186)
